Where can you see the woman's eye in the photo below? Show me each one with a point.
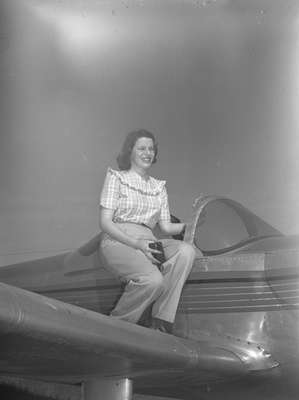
(151, 149)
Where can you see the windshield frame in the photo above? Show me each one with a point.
(248, 218)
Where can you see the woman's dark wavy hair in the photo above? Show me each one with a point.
(124, 157)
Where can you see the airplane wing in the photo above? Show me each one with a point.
(48, 340)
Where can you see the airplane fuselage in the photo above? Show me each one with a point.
(242, 299)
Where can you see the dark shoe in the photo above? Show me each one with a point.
(161, 325)
(146, 318)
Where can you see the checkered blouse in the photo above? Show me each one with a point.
(135, 199)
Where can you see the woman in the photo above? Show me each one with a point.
(132, 203)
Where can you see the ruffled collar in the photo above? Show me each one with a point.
(150, 186)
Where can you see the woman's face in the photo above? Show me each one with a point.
(143, 154)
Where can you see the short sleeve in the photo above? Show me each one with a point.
(164, 214)
(110, 191)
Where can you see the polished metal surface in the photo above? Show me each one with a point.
(51, 340)
(111, 389)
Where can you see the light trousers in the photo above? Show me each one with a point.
(145, 283)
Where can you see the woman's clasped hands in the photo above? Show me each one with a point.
(143, 245)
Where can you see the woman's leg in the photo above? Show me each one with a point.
(180, 257)
(144, 282)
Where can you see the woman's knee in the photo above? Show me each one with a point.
(155, 280)
(187, 250)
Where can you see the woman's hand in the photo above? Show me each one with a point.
(143, 245)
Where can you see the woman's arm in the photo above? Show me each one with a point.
(108, 226)
(170, 228)
(166, 225)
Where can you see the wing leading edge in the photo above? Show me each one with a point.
(46, 339)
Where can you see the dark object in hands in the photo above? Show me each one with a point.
(160, 257)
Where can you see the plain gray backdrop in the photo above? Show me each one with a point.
(216, 81)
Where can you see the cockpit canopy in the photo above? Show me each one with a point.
(224, 225)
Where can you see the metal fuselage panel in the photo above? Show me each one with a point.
(240, 298)
(247, 297)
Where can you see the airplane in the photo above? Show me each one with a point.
(236, 331)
